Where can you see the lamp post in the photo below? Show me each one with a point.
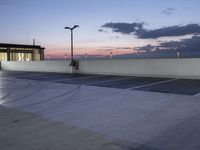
(111, 55)
(178, 50)
(71, 29)
(86, 56)
(65, 56)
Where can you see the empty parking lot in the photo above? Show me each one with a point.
(165, 85)
(98, 111)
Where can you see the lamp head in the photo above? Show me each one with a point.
(67, 28)
(75, 26)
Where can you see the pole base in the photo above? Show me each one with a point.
(74, 64)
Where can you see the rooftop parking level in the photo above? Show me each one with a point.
(84, 111)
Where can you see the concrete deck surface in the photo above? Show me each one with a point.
(22, 131)
(39, 114)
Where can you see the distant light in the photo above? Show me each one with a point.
(178, 54)
(138, 52)
(86, 56)
(111, 55)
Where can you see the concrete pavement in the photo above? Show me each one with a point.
(80, 116)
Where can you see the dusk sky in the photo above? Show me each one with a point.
(119, 26)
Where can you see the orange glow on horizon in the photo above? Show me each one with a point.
(61, 54)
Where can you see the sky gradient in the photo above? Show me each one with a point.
(44, 20)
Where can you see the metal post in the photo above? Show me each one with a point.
(65, 56)
(177, 54)
(86, 56)
(8, 54)
(72, 55)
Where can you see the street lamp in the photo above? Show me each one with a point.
(178, 50)
(71, 29)
(111, 55)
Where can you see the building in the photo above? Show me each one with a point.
(18, 52)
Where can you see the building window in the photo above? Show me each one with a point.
(3, 56)
(17, 52)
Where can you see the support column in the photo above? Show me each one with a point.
(8, 54)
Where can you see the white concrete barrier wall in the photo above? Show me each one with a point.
(178, 68)
(37, 66)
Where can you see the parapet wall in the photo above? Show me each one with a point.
(37, 66)
(180, 68)
(175, 68)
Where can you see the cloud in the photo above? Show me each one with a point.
(139, 30)
(146, 48)
(127, 48)
(169, 31)
(101, 30)
(168, 11)
(191, 45)
(124, 28)
(107, 48)
(188, 48)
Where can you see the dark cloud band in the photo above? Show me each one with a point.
(191, 45)
(124, 28)
(169, 31)
(139, 30)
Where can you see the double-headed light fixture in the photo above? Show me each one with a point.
(71, 29)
